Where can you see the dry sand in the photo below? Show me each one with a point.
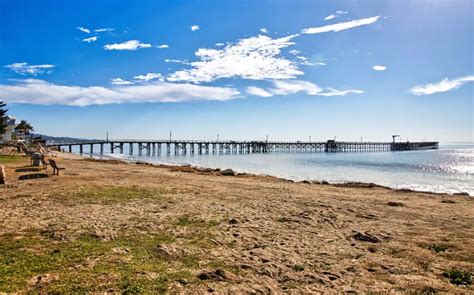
(261, 234)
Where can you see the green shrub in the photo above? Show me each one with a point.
(459, 277)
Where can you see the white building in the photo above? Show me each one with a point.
(11, 124)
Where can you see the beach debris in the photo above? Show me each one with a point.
(365, 237)
(120, 250)
(233, 221)
(395, 204)
(3, 177)
(167, 252)
(448, 201)
(228, 172)
(42, 280)
(357, 184)
(461, 194)
(218, 275)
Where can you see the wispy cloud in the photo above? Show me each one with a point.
(85, 30)
(256, 91)
(294, 86)
(342, 26)
(287, 87)
(149, 77)
(335, 92)
(120, 81)
(219, 44)
(254, 58)
(195, 28)
(441, 86)
(24, 68)
(379, 68)
(103, 30)
(295, 52)
(163, 46)
(178, 61)
(34, 91)
(264, 30)
(129, 45)
(335, 15)
(91, 39)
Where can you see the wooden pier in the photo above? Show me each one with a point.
(200, 147)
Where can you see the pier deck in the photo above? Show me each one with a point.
(184, 147)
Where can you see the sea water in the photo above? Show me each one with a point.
(450, 169)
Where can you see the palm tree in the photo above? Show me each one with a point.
(3, 115)
(25, 127)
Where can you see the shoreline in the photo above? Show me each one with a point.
(354, 184)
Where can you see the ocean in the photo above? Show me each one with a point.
(450, 169)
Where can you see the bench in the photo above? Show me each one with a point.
(55, 167)
(43, 161)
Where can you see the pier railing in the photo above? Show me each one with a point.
(156, 147)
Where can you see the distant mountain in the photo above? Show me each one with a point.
(60, 139)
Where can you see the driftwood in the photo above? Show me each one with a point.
(3, 176)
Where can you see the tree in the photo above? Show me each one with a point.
(3, 115)
(25, 126)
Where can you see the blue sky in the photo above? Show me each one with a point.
(243, 69)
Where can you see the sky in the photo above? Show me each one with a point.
(240, 69)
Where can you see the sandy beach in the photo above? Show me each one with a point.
(110, 226)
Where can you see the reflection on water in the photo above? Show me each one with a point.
(449, 169)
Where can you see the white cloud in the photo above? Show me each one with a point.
(304, 61)
(335, 15)
(379, 68)
(85, 30)
(254, 58)
(129, 45)
(441, 86)
(288, 87)
(219, 44)
(264, 30)
(24, 68)
(120, 81)
(91, 39)
(335, 92)
(294, 86)
(329, 17)
(149, 77)
(103, 30)
(342, 26)
(195, 28)
(34, 91)
(163, 46)
(295, 52)
(184, 62)
(252, 90)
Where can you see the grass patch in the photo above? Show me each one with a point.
(459, 277)
(298, 267)
(438, 248)
(107, 195)
(185, 220)
(8, 159)
(88, 264)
